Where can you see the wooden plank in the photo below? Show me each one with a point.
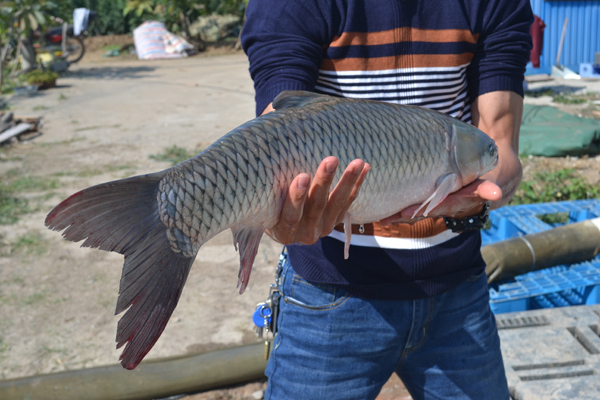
(7, 134)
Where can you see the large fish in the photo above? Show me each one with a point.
(159, 221)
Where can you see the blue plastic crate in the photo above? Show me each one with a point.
(589, 70)
(514, 221)
(559, 286)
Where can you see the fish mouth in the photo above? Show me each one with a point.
(487, 167)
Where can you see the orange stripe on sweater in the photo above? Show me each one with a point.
(394, 62)
(406, 34)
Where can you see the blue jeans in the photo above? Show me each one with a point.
(331, 345)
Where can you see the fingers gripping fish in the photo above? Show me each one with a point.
(159, 221)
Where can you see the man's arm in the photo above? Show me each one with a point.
(499, 115)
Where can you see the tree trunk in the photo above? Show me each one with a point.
(28, 55)
(195, 40)
(4, 56)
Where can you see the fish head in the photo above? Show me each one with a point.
(474, 152)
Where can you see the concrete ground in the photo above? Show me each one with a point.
(103, 122)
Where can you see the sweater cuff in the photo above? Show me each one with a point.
(496, 83)
(267, 93)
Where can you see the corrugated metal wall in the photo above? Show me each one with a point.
(582, 38)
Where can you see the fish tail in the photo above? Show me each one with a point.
(122, 216)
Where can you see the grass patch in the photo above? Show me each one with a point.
(10, 82)
(3, 348)
(52, 350)
(564, 98)
(12, 202)
(549, 186)
(174, 155)
(556, 218)
(89, 128)
(11, 207)
(61, 142)
(87, 172)
(40, 108)
(30, 243)
(111, 47)
(34, 299)
(570, 99)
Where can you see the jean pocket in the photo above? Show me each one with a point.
(475, 277)
(315, 296)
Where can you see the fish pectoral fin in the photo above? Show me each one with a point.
(246, 240)
(447, 184)
(298, 98)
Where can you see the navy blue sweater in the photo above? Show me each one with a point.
(439, 54)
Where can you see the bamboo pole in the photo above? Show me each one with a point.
(567, 244)
(151, 379)
(562, 41)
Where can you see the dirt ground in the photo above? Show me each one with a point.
(103, 122)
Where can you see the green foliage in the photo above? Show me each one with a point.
(139, 7)
(109, 19)
(114, 16)
(27, 15)
(561, 185)
(556, 218)
(174, 155)
(564, 98)
(235, 7)
(18, 18)
(176, 13)
(570, 99)
(39, 77)
(9, 82)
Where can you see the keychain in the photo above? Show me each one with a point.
(265, 314)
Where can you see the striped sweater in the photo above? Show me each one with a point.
(439, 54)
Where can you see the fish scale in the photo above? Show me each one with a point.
(159, 221)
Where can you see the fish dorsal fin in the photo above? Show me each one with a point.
(297, 98)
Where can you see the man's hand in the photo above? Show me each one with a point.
(463, 203)
(310, 211)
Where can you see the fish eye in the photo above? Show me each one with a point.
(492, 150)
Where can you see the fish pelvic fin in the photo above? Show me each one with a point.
(122, 216)
(446, 185)
(347, 234)
(246, 240)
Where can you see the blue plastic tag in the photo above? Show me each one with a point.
(262, 313)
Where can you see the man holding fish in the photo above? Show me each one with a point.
(400, 285)
(412, 296)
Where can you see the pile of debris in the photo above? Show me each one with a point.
(21, 128)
